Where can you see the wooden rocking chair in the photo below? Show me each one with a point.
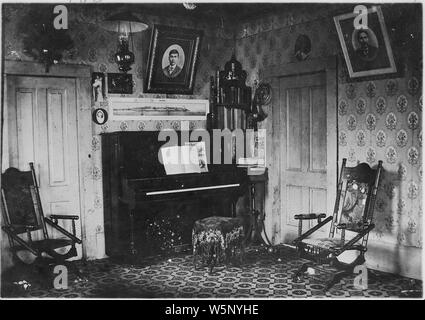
(353, 212)
(23, 214)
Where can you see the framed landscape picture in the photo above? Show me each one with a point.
(367, 50)
(173, 57)
(120, 83)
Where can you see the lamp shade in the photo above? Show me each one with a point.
(124, 22)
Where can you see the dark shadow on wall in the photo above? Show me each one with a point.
(389, 216)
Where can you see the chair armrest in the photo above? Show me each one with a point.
(352, 225)
(309, 232)
(310, 216)
(55, 225)
(65, 217)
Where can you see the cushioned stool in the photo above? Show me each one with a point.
(217, 240)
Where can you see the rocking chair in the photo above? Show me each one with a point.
(353, 212)
(23, 213)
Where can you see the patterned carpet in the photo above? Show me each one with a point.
(263, 275)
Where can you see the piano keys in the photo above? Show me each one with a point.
(137, 191)
(163, 192)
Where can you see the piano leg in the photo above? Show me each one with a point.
(133, 250)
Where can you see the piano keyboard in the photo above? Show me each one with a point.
(233, 185)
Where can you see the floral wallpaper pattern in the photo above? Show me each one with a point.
(95, 47)
(390, 132)
(377, 119)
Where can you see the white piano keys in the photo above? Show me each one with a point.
(153, 193)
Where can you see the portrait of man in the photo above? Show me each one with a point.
(172, 70)
(172, 65)
(366, 51)
(172, 60)
(366, 48)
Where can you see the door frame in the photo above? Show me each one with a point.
(273, 193)
(82, 76)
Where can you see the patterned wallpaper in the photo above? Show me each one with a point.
(381, 120)
(95, 46)
(378, 119)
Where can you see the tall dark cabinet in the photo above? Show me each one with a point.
(230, 97)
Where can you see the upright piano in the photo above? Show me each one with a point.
(146, 210)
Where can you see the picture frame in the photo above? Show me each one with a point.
(98, 86)
(128, 108)
(100, 116)
(172, 61)
(367, 51)
(120, 83)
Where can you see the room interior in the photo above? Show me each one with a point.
(82, 150)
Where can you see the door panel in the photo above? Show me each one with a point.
(294, 130)
(303, 167)
(26, 108)
(318, 130)
(42, 128)
(57, 134)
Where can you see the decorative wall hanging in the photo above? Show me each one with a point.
(173, 57)
(366, 51)
(98, 86)
(262, 97)
(40, 39)
(100, 116)
(125, 24)
(126, 108)
(120, 83)
(302, 47)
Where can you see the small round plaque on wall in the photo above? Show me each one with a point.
(100, 116)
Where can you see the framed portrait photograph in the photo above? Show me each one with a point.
(120, 83)
(367, 50)
(172, 61)
(100, 116)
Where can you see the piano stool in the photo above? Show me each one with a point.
(216, 241)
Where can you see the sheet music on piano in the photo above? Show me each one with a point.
(190, 158)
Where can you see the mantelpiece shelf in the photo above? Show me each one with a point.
(244, 106)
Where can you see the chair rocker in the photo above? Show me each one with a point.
(353, 212)
(23, 214)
